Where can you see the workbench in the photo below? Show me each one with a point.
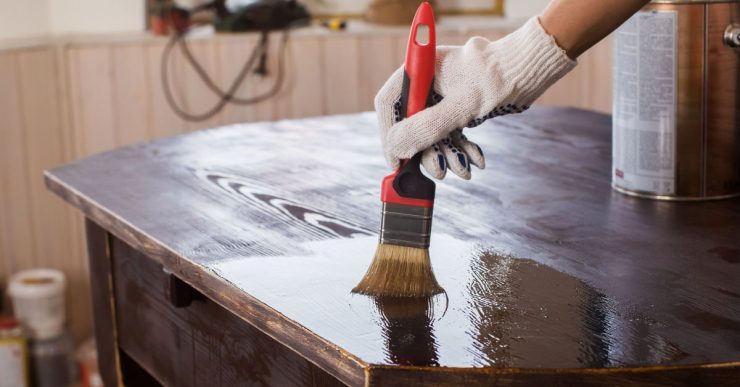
(226, 257)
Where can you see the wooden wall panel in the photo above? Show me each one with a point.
(45, 148)
(451, 38)
(567, 91)
(65, 101)
(306, 85)
(282, 101)
(17, 231)
(76, 269)
(599, 77)
(378, 60)
(232, 54)
(91, 71)
(199, 98)
(42, 148)
(589, 85)
(491, 35)
(131, 97)
(164, 122)
(267, 110)
(340, 58)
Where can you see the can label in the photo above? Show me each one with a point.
(13, 362)
(644, 111)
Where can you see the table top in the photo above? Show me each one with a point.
(545, 267)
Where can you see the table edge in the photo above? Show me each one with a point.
(330, 357)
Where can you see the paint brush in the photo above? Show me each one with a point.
(401, 266)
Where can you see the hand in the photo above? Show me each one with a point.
(474, 82)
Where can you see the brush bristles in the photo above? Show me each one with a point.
(399, 271)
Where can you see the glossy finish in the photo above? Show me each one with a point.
(549, 274)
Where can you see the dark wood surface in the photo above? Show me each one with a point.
(547, 271)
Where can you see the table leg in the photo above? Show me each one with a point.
(101, 286)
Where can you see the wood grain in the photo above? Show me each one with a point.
(537, 254)
(327, 356)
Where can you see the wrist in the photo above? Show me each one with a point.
(530, 61)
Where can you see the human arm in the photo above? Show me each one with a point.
(577, 25)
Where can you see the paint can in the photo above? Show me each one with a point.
(13, 354)
(38, 301)
(676, 112)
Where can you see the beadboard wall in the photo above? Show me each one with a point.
(65, 99)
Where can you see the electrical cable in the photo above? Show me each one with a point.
(228, 96)
(264, 44)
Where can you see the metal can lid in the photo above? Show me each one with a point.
(693, 1)
(37, 284)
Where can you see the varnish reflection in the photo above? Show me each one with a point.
(523, 313)
(408, 329)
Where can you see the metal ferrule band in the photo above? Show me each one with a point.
(406, 225)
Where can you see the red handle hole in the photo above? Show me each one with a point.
(422, 35)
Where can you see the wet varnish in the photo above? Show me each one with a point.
(497, 311)
(549, 275)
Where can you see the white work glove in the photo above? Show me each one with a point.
(473, 83)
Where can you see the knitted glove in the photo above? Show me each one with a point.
(474, 82)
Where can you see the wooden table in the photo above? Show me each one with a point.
(227, 256)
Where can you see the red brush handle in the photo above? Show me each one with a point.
(408, 186)
(419, 64)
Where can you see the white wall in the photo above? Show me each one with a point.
(34, 18)
(23, 18)
(524, 8)
(96, 16)
(353, 7)
(31, 18)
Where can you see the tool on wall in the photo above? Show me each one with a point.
(401, 266)
(335, 24)
(263, 16)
